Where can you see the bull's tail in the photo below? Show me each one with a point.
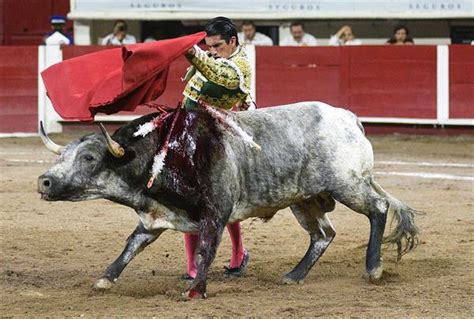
(405, 232)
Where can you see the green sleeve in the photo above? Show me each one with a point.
(222, 72)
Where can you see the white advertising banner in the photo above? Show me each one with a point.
(270, 9)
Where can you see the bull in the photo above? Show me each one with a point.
(312, 155)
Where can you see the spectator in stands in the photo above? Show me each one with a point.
(344, 36)
(119, 36)
(299, 37)
(401, 36)
(250, 36)
(58, 34)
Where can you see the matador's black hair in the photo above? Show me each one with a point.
(224, 27)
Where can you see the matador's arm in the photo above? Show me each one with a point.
(223, 72)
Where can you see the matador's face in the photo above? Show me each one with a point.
(219, 48)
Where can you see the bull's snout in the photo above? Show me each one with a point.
(53, 188)
(45, 184)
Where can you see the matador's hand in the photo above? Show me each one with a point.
(191, 52)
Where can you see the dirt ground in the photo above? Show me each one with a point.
(52, 252)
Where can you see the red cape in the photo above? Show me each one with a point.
(113, 80)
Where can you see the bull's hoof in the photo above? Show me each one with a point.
(375, 275)
(291, 280)
(103, 284)
(194, 294)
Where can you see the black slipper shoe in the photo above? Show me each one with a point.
(239, 271)
(187, 278)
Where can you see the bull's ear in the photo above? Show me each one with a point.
(50, 145)
(114, 148)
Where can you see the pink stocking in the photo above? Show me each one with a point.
(237, 245)
(191, 242)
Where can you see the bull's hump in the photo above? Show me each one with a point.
(281, 110)
(128, 129)
(299, 116)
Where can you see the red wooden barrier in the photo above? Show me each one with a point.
(288, 75)
(18, 88)
(72, 51)
(461, 81)
(371, 81)
(392, 81)
(385, 82)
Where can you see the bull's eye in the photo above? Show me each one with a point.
(88, 157)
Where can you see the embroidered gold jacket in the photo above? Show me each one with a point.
(222, 83)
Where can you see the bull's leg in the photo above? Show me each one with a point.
(136, 242)
(313, 218)
(210, 234)
(373, 259)
(363, 199)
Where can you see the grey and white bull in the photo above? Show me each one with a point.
(312, 155)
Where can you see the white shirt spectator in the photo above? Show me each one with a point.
(258, 39)
(57, 38)
(336, 41)
(112, 40)
(307, 41)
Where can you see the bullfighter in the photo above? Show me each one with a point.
(220, 77)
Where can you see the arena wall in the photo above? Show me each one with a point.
(381, 81)
(18, 89)
(426, 85)
(461, 81)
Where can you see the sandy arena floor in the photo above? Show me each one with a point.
(51, 253)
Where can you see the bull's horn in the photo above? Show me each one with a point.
(50, 145)
(114, 148)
